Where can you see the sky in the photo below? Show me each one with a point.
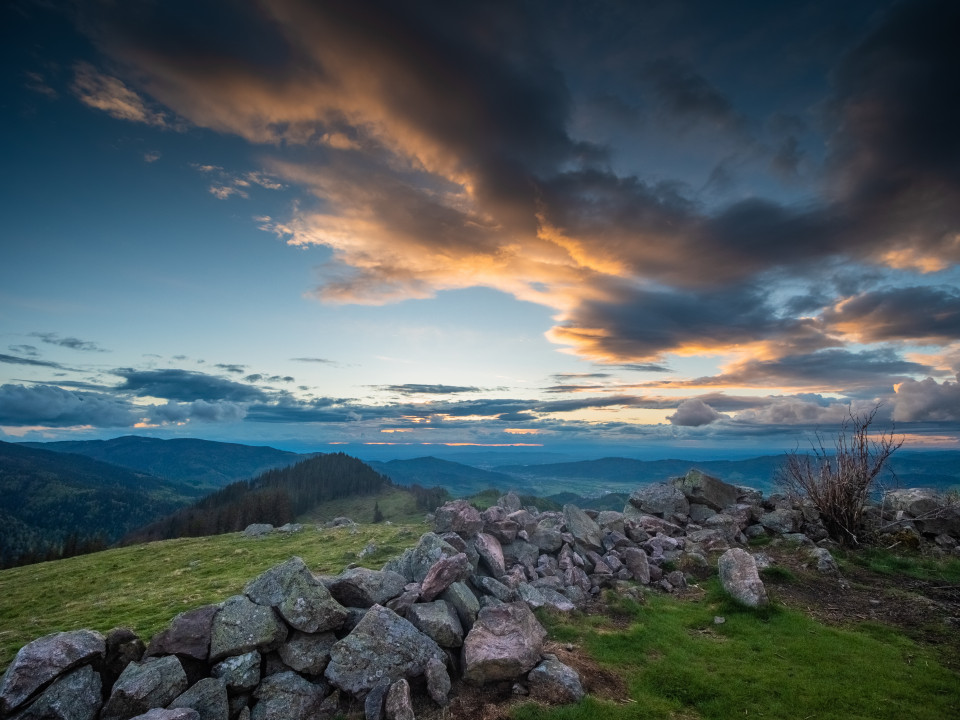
(650, 227)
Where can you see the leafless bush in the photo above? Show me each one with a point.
(839, 483)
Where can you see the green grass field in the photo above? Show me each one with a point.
(142, 587)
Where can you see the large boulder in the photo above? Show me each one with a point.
(916, 502)
(705, 490)
(382, 645)
(42, 660)
(300, 598)
(638, 565)
(307, 653)
(464, 601)
(505, 642)
(445, 571)
(583, 528)
(208, 696)
(241, 673)
(242, 626)
(153, 683)
(740, 578)
(74, 696)
(362, 587)
(491, 553)
(415, 562)
(287, 696)
(660, 500)
(552, 681)
(458, 516)
(439, 621)
(188, 634)
(780, 521)
(398, 704)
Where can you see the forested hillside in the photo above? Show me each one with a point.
(202, 464)
(55, 505)
(276, 497)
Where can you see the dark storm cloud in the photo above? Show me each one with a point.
(185, 386)
(51, 406)
(198, 410)
(918, 313)
(68, 342)
(685, 98)
(414, 389)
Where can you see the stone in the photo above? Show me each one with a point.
(188, 634)
(307, 653)
(699, 513)
(493, 588)
(739, 577)
(510, 502)
(439, 621)
(504, 643)
(240, 673)
(557, 600)
(242, 626)
(438, 682)
(505, 531)
(458, 516)
(698, 487)
(491, 553)
(258, 529)
(164, 714)
(554, 682)
(415, 563)
(659, 499)
(40, 661)
(825, 562)
(403, 601)
(445, 571)
(382, 645)
(548, 539)
(152, 683)
(531, 596)
(916, 502)
(208, 697)
(361, 587)
(525, 521)
(123, 647)
(464, 602)
(73, 696)
(398, 705)
(374, 702)
(300, 598)
(520, 552)
(584, 529)
(287, 696)
(638, 564)
(780, 521)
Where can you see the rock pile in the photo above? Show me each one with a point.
(457, 605)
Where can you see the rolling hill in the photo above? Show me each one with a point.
(204, 465)
(49, 499)
(458, 479)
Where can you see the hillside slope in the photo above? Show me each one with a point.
(48, 498)
(458, 479)
(202, 464)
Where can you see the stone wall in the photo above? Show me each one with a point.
(457, 605)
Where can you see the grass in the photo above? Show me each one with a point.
(397, 505)
(773, 663)
(142, 587)
(911, 564)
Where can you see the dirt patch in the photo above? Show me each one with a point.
(926, 611)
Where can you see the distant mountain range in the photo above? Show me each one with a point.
(202, 464)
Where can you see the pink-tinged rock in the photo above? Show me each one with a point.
(445, 572)
(739, 577)
(505, 642)
(491, 553)
(458, 516)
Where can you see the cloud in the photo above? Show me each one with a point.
(694, 413)
(186, 386)
(927, 400)
(51, 406)
(231, 367)
(29, 350)
(68, 342)
(109, 94)
(322, 361)
(199, 410)
(15, 360)
(686, 100)
(920, 313)
(152, 156)
(414, 389)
